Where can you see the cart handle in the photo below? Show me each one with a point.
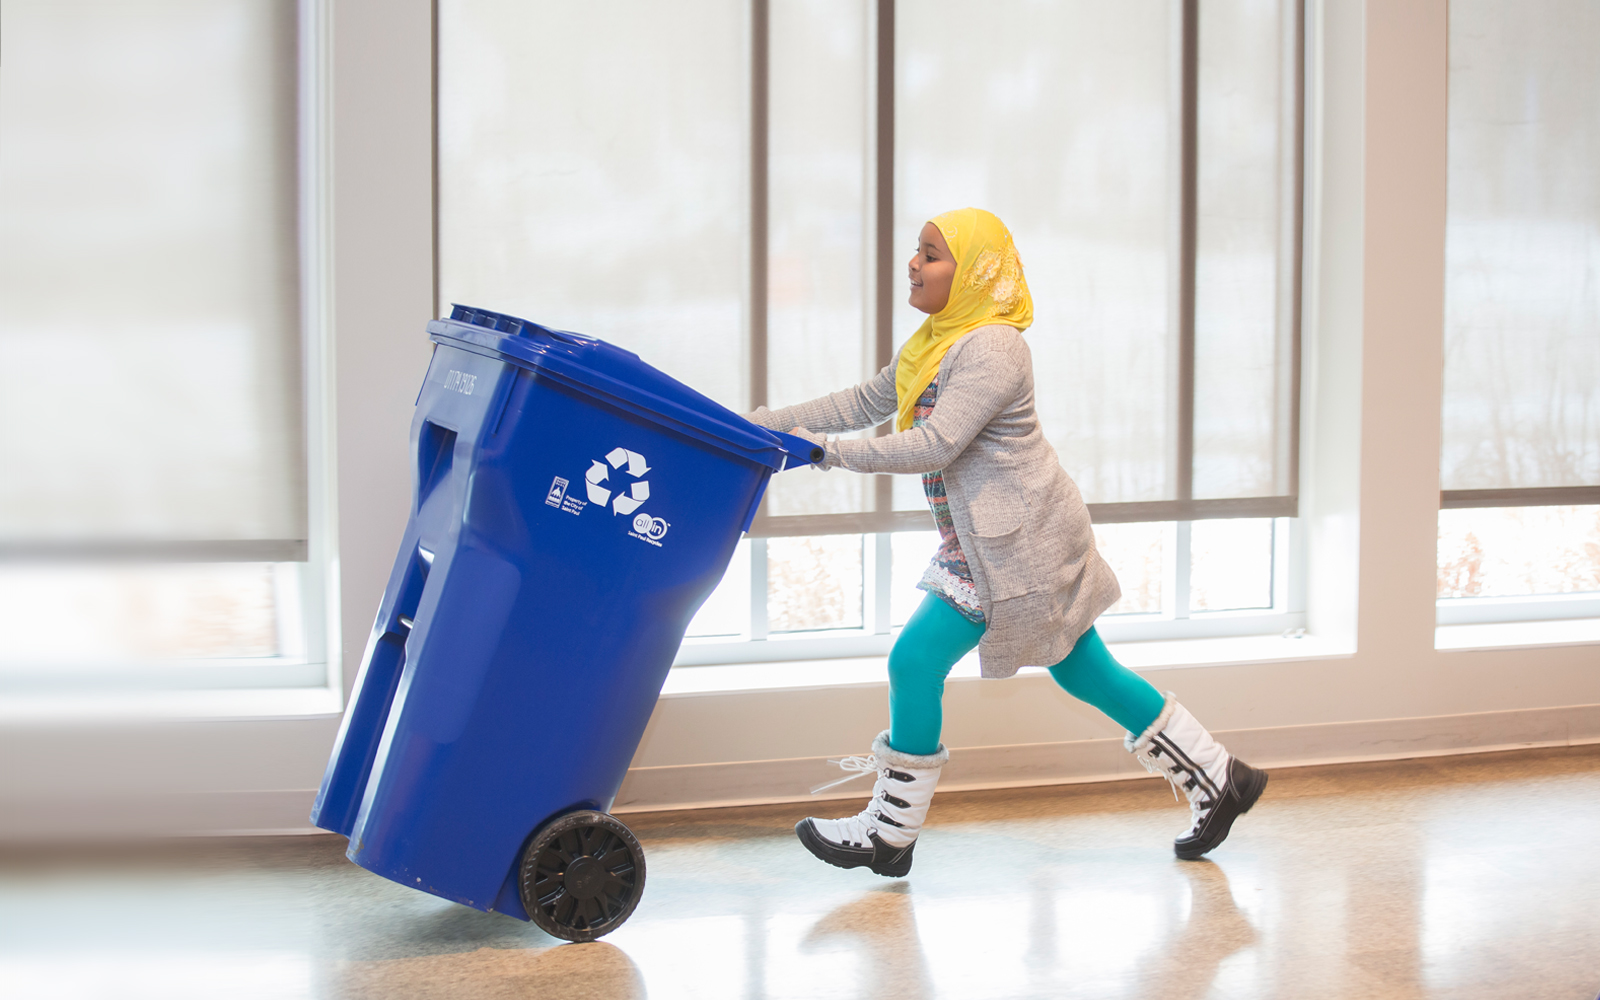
(800, 451)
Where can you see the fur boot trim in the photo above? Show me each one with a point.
(907, 761)
(1133, 744)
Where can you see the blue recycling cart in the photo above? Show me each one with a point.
(572, 507)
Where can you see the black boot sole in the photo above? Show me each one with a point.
(1245, 785)
(890, 862)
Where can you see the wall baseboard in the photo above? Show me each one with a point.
(739, 783)
(763, 782)
(263, 813)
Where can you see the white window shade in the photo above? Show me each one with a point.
(1058, 118)
(1246, 255)
(593, 174)
(1073, 122)
(149, 305)
(732, 188)
(819, 283)
(1522, 287)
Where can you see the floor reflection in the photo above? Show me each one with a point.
(883, 925)
(1186, 967)
(1464, 878)
(1385, 897)
(594, 971)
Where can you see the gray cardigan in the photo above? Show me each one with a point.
(1019, 517)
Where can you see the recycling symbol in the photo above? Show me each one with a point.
(599, 472)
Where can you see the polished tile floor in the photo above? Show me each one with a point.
(1462, 877)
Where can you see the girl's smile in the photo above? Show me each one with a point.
(931, 271)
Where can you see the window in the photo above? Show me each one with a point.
(156, 514)
(1520, 464)
(730, 188)
(845, 595)
(1519, 564)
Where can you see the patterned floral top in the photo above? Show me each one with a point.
(947, 576)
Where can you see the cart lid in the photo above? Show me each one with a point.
(619, 377)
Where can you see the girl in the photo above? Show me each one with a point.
(1016, 573)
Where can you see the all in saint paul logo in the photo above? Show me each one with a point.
(652, 528)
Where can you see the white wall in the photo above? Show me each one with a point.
(1375, 256)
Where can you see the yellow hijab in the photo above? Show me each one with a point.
(988, 288)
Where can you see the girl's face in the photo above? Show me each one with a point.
(932, 270)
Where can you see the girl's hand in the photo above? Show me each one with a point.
(821, 440)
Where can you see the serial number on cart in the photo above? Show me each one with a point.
(460, 382)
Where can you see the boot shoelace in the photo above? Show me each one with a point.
(1147, 759)
(855, 766)
(858, 829)
(1177, 774)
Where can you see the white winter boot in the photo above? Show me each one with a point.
(883, 835)
(1219, 786)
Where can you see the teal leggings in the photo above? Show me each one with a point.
(937, 636)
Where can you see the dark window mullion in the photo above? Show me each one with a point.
(1143, 512)
(1533, 496)
(883, 221)
(1188, 140)
(1297, 250)
(759, 109)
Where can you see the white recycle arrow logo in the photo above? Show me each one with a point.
(637, 494)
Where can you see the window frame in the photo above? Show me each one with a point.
(877, 634)
(881, 291)
(304, 569)
(1452, 611)
(1526, 608)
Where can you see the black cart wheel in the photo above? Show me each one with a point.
(582, 875)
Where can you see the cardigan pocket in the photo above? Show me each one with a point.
(1006, 564)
